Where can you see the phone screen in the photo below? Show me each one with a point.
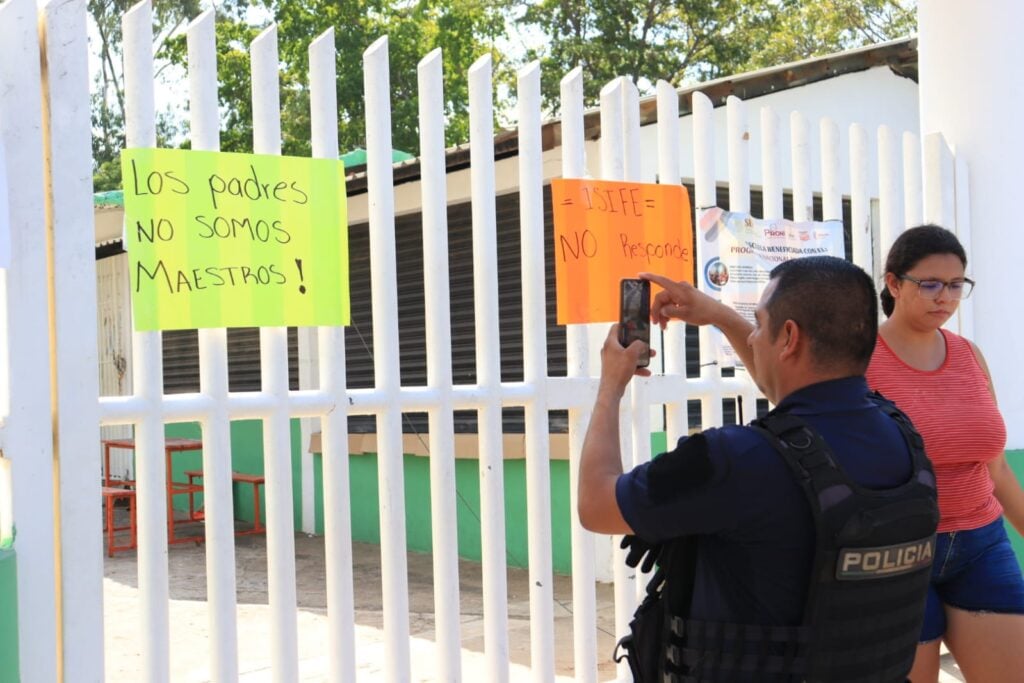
(635, 315)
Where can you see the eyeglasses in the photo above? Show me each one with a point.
(931, 289)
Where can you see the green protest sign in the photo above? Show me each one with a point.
(216, 239)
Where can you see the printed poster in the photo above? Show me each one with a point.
(609, 230)
(741, 251)
(217, 239)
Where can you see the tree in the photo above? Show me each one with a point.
(696, 40)
(464, 29)
(108, 112)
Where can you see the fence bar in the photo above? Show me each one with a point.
(640, 408)
(738, 141)
(674, 346)
(334, 424)
(963, 233)
(738, 145)
(73, 269)
(27, 435)
(860, 205)
(912, 189)
(800, 149)
(705, 197)
(390, 473)
(613, 168)
(277, 444)
(939, 189)
(889, 192)
(583, 597)
(831, 193)
(940, 193)
(147, 355)
(538, 457)
(439, 369)
(204, 118)
(488, 369)
(771, 164)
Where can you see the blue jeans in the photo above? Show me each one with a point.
(974, 570)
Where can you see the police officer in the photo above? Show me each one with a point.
(794, 549)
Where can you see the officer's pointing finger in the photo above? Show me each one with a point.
(661, 280)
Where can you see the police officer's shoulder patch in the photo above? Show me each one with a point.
(682, 470)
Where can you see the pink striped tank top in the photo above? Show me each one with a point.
(956, 415)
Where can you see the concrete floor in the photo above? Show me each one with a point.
(189, 647)
(189, 628)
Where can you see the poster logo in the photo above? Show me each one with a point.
(716, 274)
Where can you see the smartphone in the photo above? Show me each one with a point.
(635, 315)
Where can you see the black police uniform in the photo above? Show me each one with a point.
(744, 520)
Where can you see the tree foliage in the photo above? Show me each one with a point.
(679, 41)
(697, 40)
(464, 29)
(108, 109)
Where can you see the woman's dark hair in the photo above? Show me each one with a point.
(912, 246)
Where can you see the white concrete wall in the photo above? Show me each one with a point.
(971, 92)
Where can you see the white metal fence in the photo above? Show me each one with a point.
(44, 120)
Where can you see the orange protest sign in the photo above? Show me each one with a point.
(606, 231)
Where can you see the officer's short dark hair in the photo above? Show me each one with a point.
(833, 301)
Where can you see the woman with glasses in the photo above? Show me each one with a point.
(976, 599)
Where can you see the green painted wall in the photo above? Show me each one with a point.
(8, 617)
(366, 518)
(247, 457)
(1016, 460)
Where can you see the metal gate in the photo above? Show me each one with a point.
(51, 415)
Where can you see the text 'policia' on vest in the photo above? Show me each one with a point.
(866, 594)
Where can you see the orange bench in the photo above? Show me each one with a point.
(236, 478)
(110, 495)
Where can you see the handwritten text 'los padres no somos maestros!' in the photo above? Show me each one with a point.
(217, 227)
(628, 203)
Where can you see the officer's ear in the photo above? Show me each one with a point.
(794, 339)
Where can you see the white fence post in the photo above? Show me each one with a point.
(218, 507)
(577, 352)
(889, 194)
(437, 314)
(390, 459)
(323, 106)
(938, 182)
(860, 204)
(912, 191)
(705, 197)
(800, 132)
(674, 345)
(831, 194)
(613, 167)
(27, 434)
(150, 468)
(963, 233)
(66, 82)
(277, 442)
(939, 188)
(538, 460)
(488, 369)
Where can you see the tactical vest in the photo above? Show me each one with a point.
(866, 594)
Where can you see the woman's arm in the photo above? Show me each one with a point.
(1007, 489)
(1008, 492)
